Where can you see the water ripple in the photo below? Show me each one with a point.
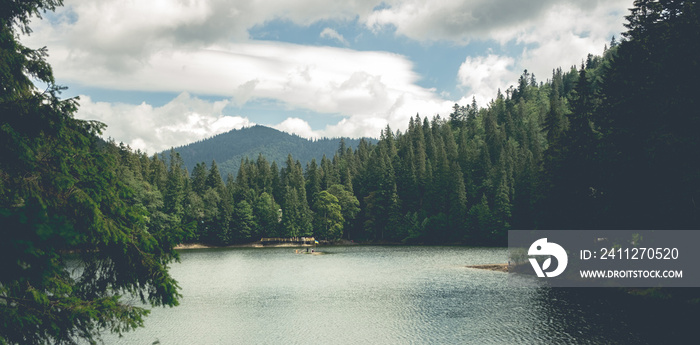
(375, 295)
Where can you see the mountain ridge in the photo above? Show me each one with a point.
(229, 148)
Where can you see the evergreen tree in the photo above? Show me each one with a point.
(59, 192)
(328, 219)
(199, 178)
(554, 123)
(329, 173)
(243, 222)
(349, 205)
(174, 192)
(480, 223)
(648, 120)
(214, 178)
(573, 170)
(266, 215)
(457, 204)
(313, 181)
(276, 182)
(159, 174)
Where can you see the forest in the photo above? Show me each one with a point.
(230, 148)
(611, 143)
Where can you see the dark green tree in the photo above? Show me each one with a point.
(243, 223)
(199, 178)
(313, 181)
(328, 219)
(59, 192)
(266, 212)
(649, 120)
(349, 205)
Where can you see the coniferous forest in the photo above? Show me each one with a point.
(611, 143)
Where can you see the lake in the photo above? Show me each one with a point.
(380, 295)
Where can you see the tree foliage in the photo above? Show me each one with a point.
(77, 227)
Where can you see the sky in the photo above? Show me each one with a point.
(164, 73)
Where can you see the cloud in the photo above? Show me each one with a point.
(569, 37)
(561, 37)
(321, 79)
(202, 47)
(244, 91)
(484, 75)
(332, 34)
(140, 27)
(397, 118)
(296, 126)
(362, 86)
(462, 21)
(123, 36)
(183, 120)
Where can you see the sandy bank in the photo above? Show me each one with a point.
(258, 244)
(246, 245)
(191, 246)
(491, 267)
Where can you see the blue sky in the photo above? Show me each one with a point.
(164, 73)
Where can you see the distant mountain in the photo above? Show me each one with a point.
(227, 149)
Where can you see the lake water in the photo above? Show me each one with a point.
(378, 295)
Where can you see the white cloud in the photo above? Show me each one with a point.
(183, 120)
(397, 116)
(363, 86)
(464, 20)
(296, 126)
(321, 79)
(561, 37)
(332, 34)
(202, 47)
(140, 27)
(566, 35)
(484, 75)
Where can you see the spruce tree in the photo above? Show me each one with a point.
(60, 193)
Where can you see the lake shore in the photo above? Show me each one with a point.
(491, 267)
(258, 244)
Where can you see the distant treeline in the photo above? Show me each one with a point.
(228, 149)
(612, 144)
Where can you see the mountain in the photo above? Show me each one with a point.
(227, 149)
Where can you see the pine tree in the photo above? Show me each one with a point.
(243, 222)
(328, 218)
(159, 174)
(554, 123)
(214, 178)
(349, 205)
(266, 215)
(313, 181)
(174, 192)
(650, 147)
(457, 212)
(199, 178)
(60, 193)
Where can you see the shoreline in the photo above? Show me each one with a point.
(258, 244)
(246, 245)
(491, 267)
